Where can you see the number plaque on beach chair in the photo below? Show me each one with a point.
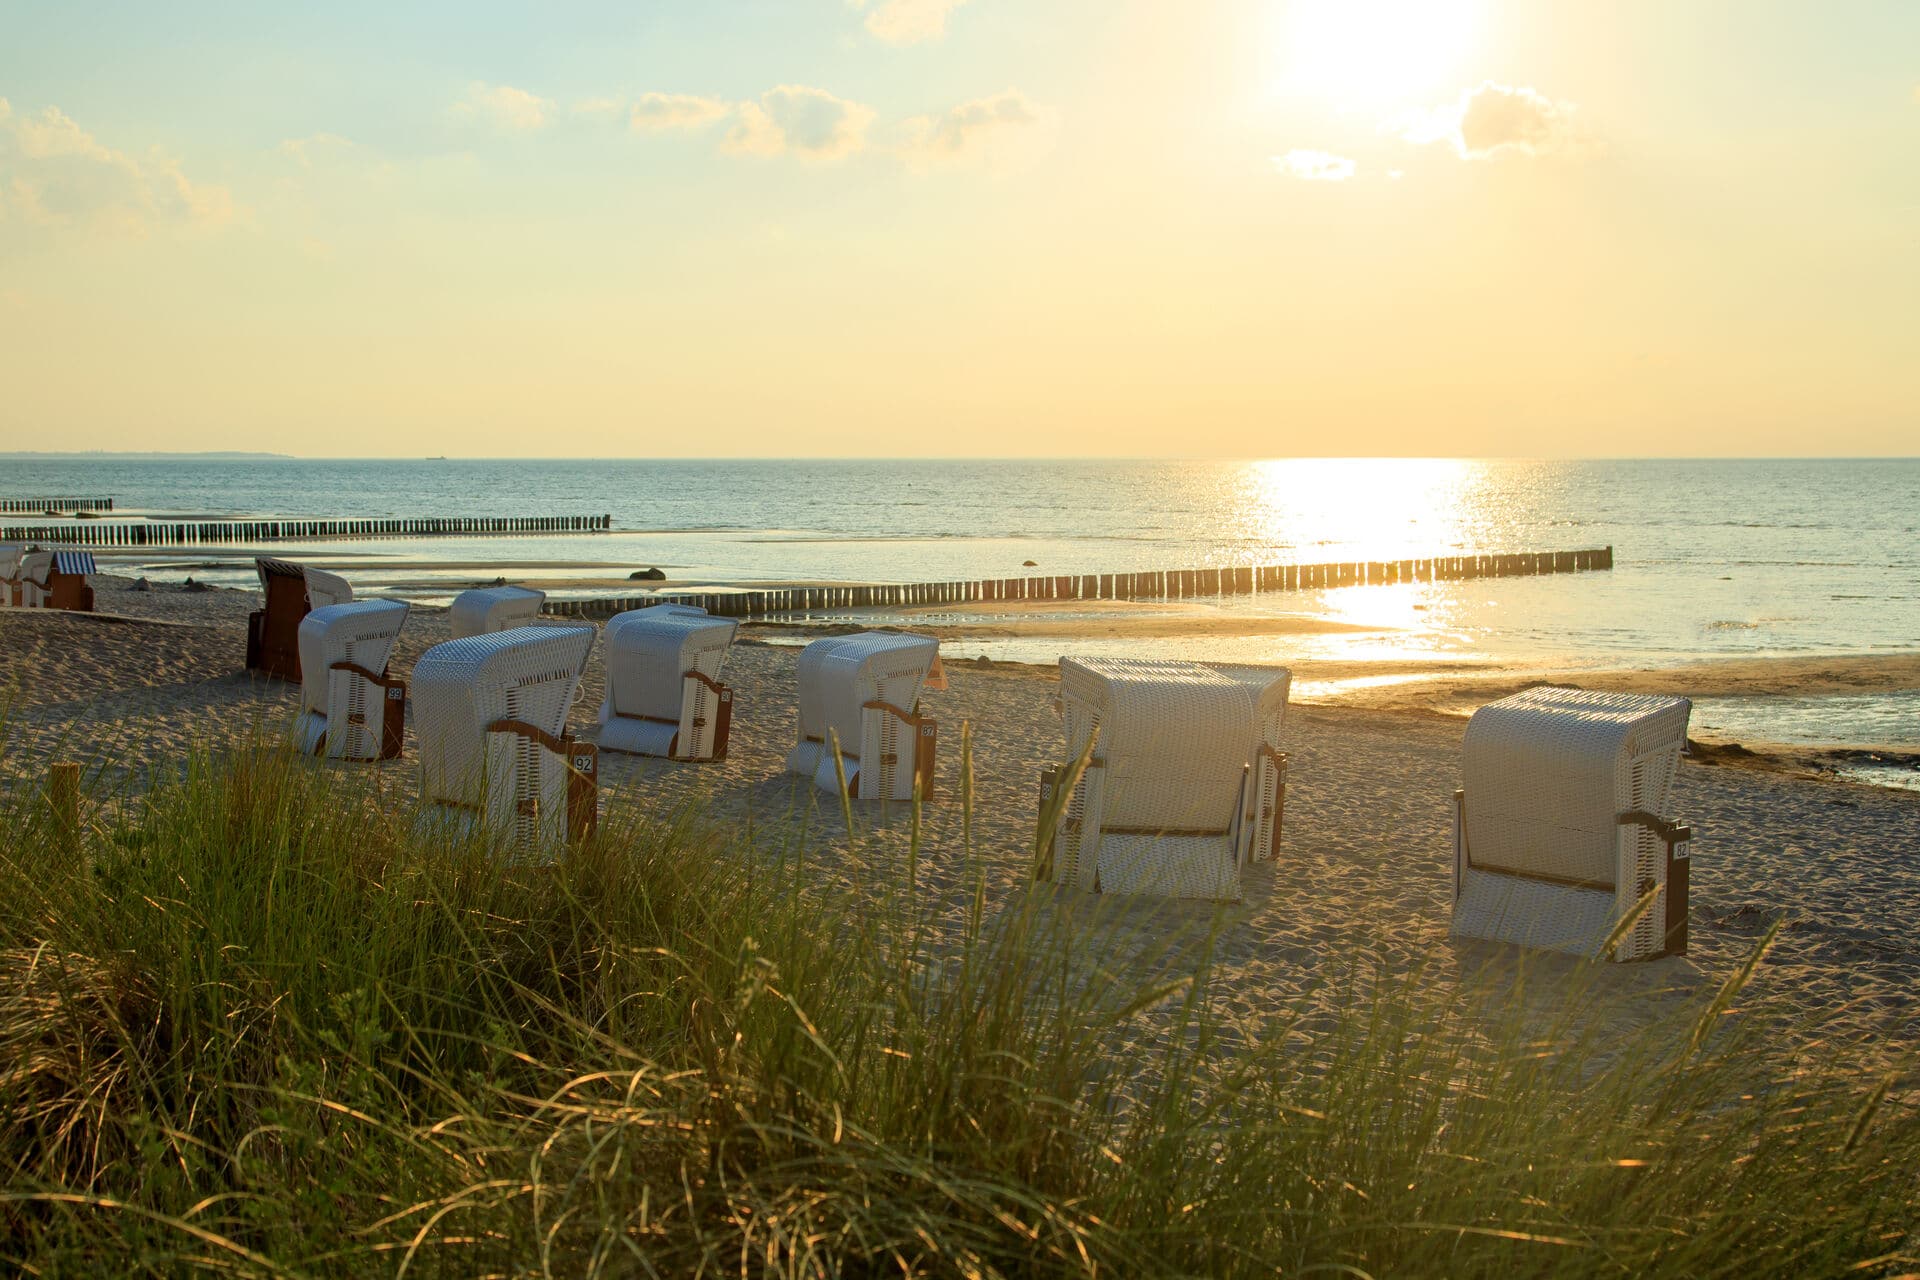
(864, 691)
(351, 709)
(1557, 833)
(496, 758)
(664, 696)
(1187, 783)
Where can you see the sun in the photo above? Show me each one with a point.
(1375, 53)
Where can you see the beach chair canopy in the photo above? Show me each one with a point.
(78, 564)
(320, 587)
(486, 609)
(524, 675)
(1546, 777)
(840, 678)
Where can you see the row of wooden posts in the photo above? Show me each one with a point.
(170, 534)
(1166, 584)
(38, 505)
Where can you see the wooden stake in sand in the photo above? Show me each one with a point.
(63, 798)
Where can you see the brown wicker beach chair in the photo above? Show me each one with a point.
(291, 592)
(58, 580)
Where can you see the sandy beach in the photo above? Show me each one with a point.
(1364, 868)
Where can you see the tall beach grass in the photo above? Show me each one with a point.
(257, 1026)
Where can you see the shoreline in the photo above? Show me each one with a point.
(1439, 689)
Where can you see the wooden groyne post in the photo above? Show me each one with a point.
(1157, 584)
(63, 805)
(39, 506)
(159, 533)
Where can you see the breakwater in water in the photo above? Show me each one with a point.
(1166, 584)
(159, 533)
(40, 506)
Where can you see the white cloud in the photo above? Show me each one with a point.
(1492, 119)
(908, 21)
(1315, 166)
(657, 112)
(999, 131)
(53, 173)
(806, 121)
(504, 107)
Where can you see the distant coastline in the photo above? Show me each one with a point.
(222, 455)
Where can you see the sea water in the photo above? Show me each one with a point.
(1712, 559)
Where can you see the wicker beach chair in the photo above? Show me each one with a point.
(865, 690)
(487, 609)
(1187, 781)
(11, 554)
(1557, 830)
(289, 592)
(57, 580)
(350, 708)
(664, 696)
(495, 755)
(34, 567)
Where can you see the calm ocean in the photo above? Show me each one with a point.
(1713, 558)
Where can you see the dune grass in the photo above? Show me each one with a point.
(258, 1027)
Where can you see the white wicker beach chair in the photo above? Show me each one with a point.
(11, 554)
(350, 708)
(495, 756)
(865, 690)
(486, 609)
(34, 568)
(664, 696)
(1557, 829)
(1169, 804)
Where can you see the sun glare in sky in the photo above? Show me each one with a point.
(1371, 53)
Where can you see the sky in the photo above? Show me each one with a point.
(1237, 228)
